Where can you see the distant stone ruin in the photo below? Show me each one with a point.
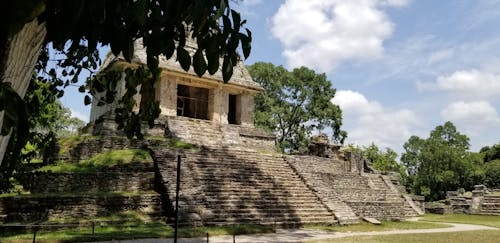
(481, 200)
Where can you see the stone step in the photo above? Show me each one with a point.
(258, 206)
(267, 213)
(291, 222)
(249, 197)
(239, 190)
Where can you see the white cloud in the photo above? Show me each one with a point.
(246, 7)
(469, 83)
(251, 2)
(322, 33)
(79, 115)
(471, 112)
(478, 119)
(368, 121)
(354, 102)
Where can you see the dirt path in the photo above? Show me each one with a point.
(300, 235)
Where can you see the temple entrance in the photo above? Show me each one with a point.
(232, 114)
(192, 102)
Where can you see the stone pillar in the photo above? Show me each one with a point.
(477, 198)
(218, 105)
(166, 93)
(246, 109)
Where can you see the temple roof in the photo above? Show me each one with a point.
(241, 76)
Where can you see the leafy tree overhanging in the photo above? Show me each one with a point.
(77, 28)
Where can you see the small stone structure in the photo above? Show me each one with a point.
(480, 201)
(187, 95)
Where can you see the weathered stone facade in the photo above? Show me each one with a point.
(181, 93)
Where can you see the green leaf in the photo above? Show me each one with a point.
(199, 63)
(236, 20)
(169, 49)
(129, 51)
(81, 89)
(227, 69)
(245, 45)
(87, 100)
(183, 58)
(213, 62)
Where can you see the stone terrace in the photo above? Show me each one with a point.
(56, 196)
(224, 186)
(369, 195)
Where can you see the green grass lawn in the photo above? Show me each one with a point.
(385, 226)
(484, 236)
(487, 220)
(130, 230)
(101, 161)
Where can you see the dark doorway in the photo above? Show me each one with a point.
(231, 114)
(192, 102)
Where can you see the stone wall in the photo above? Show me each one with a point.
(47, 182)
(207, 133)
(49, 207)
(91, 146)
(378, 209)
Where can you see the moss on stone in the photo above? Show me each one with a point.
(101, 161)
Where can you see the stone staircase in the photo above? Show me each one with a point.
(370, 195)
(490, 205)
(209, 134)
(226, 186)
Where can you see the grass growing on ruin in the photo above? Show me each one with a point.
(487, 220)
(483, 236)
(103, 160)
(131, 230)
(65, 143)
(386, 225)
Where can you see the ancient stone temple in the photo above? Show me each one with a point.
(230, 170)
(184, 94)
(235, 174)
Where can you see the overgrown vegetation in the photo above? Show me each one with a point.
(48, 121)
(294, 104)
(102, 161)
(383, 161)
(442, 162)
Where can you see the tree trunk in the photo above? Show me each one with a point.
(18, 61)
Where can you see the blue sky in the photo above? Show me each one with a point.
(400, 67)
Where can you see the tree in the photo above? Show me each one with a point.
(491, 153)
(295, 103)
(76, 28)
(491, 169)
(439, 163)
(383, 161)
(492, 174)
(48, 121)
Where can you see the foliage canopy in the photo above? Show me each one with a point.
(294, 104)
(441, 163)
